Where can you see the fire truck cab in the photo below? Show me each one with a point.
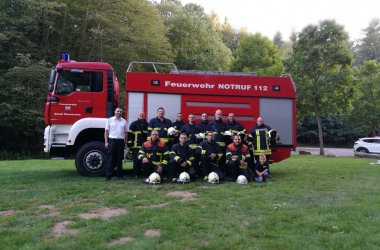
(81, 95)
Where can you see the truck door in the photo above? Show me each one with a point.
(77, 94)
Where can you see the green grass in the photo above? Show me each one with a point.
(312, 202)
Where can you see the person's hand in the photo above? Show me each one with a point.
(106, 144)
(145, 160)
(183, 164)
(234, 157)
(212, 156)
(159, 169)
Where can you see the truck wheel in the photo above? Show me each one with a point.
(91, 159)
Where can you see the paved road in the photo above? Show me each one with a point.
(334, 151)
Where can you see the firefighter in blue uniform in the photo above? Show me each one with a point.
(137, 135)
(178, 124)
(202, 125)
(210, 154)
(181, 159)
(238, 159)
(234, 126)
(191, 131)
(153, 156)
(160, 124)
(218, 127)
(260, 139)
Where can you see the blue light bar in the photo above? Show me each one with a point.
(65, 57)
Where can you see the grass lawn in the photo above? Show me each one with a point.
(311, 202)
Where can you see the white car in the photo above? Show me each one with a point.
(368, 145)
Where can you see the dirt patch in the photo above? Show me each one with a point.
(185, 195)
(120, 241)
(152, 232)
(245, 224)
(50, 207)
(104, 213)
(61, 229)
(155, 206)
(7, 212)
(53, 211)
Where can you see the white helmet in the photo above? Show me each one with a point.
(171, 131)
(184, 177)
(213, 178)
(200, 136)
(273, 133)
(241, 180)
(154, 178)
(227, 133)
(270, 133)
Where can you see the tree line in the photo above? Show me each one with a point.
(337, 80)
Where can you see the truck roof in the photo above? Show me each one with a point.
(84, 65)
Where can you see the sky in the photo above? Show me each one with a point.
(286, 16)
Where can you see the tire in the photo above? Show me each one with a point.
(362, 150)
(91, 159)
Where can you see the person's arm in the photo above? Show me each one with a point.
(258, 173)
(106, 134)
(106, 138)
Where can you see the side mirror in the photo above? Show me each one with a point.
(53, 99)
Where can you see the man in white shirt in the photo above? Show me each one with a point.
(115, 138)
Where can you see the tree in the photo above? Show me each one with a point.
(368, 48)
(277, 39)
(366, 109)
(337, 130)
(285, 47)
(21, 108)
(257, 54)
(320, 65)
(33, 34)
(169, 9)
(196, 41)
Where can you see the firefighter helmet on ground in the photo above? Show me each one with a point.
(213, 178)
(241, 180)
(184, 177)
(154, 178)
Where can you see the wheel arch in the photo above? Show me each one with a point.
(86, 130)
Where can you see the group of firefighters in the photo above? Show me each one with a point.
(168, 148)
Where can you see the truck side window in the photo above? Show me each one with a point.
(79, 81)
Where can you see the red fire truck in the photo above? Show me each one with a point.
(82, 95)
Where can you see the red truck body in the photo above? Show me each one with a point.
(82, 95)
(247, 96)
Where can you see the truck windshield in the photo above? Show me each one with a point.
(78, 81)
